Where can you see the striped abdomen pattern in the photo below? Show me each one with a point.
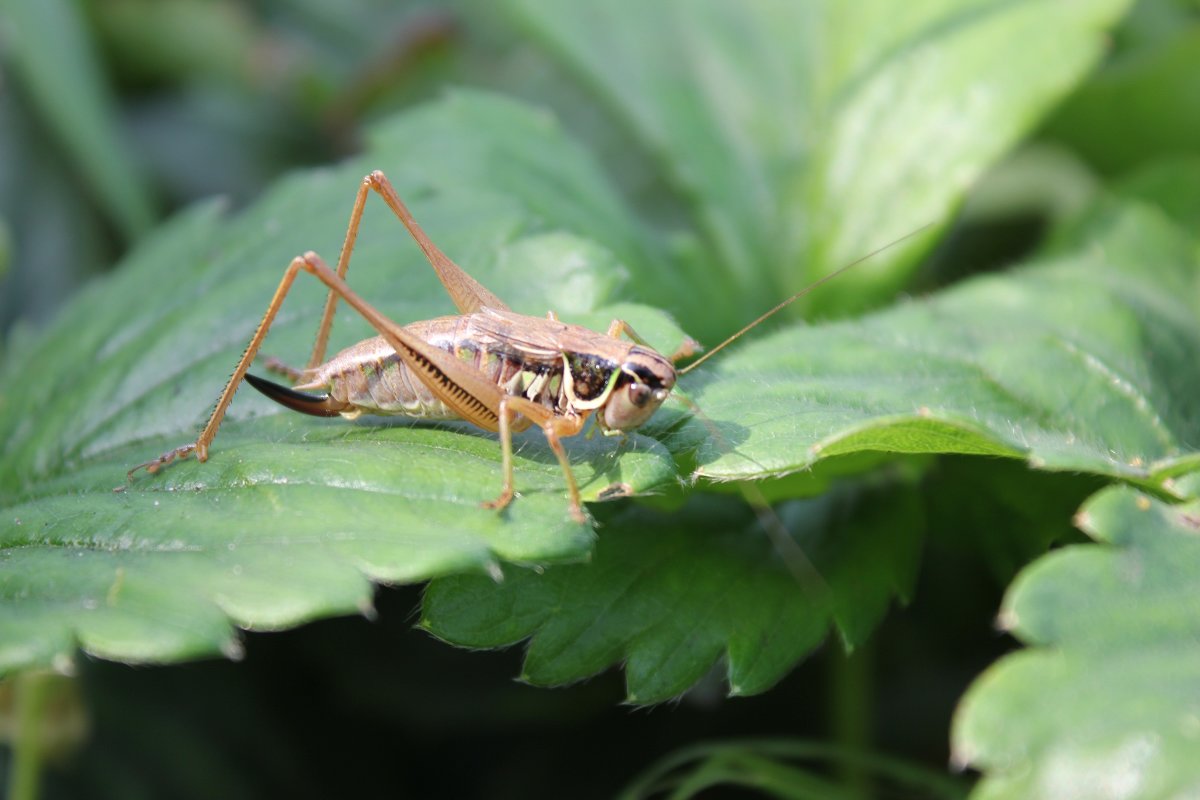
(372, 379)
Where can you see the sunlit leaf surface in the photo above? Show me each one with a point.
(1084, 361)
(291, 517)
(1077, 363)
(806, 135)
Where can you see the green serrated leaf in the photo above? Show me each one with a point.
(1079, 362)
(669, 594)
(803, 133)
(1002, 510)
(1103, 704)
(291, 516)
(313, 509)
(265, 540)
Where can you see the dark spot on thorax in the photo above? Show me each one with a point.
(590, 374)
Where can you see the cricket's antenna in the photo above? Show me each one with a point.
(798, 295)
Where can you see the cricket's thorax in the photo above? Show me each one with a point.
(522, 355)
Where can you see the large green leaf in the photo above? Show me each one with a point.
(398, 503)
(1084, 361)
(808, 134)
(163, 570)
(143, 354)
(1104, 704)
(291, 516)
(669, 594)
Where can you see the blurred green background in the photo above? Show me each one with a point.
(116, 113)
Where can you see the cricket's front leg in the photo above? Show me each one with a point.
(557, 428)
(554, 428)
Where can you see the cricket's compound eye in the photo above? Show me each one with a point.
(639, 394)
(645, 382)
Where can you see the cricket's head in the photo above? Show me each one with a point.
(645, 380)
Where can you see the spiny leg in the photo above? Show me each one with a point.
(461, 379)
(309, 262)
(200, 446)
(467, 293)
(553, 428)
(463, 389)
(343, 266)
(458, 379)
(552, 436)
(506, 465)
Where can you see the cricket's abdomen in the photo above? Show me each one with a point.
(370, 378)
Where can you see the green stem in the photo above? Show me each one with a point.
(850, 714)
(670, 772)
(31, 691)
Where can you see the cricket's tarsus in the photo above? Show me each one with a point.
(490, 366)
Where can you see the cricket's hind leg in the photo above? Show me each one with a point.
(199, 448)
(466, 292)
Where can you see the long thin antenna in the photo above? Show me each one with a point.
(798, 295)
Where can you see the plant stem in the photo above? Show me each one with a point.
(31, 690)
(850, 713)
